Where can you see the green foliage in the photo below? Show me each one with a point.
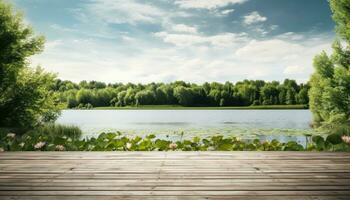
(243, 93)
(17, 43)
(25, 99)
(58, 138)
(330, 83)
(48, 137)
(183, 95)
(341, 15)
(145, 97)
(54, 130)
(334, 139)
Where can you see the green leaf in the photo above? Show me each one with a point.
(334, 139)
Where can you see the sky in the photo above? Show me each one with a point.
(167, 40)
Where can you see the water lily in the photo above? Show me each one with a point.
(346, 139)
(59, 148)
(39, 145)
(172, 146)
(211, 148)
(11, 135)
(21, 144)
(128, 145)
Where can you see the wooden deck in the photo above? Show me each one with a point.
(174, 175)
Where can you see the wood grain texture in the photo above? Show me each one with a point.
(174, 175)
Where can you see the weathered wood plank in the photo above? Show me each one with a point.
(174, 175)
(173, 197)
(174, 193)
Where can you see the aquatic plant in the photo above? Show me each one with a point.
(41, 141)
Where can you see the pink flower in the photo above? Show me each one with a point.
(59, 148)
(39, 145)
(346, 139)
(172, 146)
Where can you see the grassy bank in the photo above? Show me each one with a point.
(175, 107)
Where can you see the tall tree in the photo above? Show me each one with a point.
(330, 83)
(25, 99)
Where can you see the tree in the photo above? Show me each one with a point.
(330, 83)
(32, 103)
(291, 96)
(25, 99)
(183, 95)
(269, 94)
(302, 96)
(145, 97)
(85, 96)
(341, 15)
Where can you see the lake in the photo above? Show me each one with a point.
(284, 125)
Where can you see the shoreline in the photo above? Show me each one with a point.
(171, 107)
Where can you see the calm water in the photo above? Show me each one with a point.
(284, 125)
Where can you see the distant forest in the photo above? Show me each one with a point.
(243, 93)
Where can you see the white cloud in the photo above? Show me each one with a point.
(294, 69)
(206, 4)
(61, 28)
(226, 12)
(291, 36)
(201, 60)
(182, 28)
(253, 17)
(53, 44)
(219, 40)
(194, 57)
(268, 50)
(119, 11)
(273, 54)
(222, 13)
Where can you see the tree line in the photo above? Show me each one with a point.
(243, 93)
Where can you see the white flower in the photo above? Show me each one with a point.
(21, 144)
(11, 135)
(346, 139)
(128, 145)
(172, 146)
(211, 148)
(2, 149)
(39, 145)
(59, 148)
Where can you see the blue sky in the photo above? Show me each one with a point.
(191, 40)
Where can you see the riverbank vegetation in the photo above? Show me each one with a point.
(61, 138)
(243, 93)
(178, 107)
